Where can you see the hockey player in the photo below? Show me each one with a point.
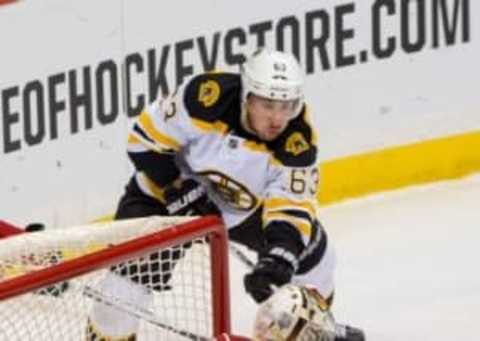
(241, 146)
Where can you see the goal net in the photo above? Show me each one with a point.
(152, 278)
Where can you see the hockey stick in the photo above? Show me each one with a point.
(241, 255)
(139, 313)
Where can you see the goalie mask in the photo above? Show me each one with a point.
(294, 313)
(274, 75)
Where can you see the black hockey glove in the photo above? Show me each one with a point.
(269, 270)
(34, 227)
(187, 199)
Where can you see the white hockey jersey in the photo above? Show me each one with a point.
(241, 173)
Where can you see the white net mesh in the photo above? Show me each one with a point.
(165, 295)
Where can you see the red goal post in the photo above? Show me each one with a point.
(208, 233)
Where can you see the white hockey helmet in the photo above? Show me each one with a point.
(294, 313)
(274, 75)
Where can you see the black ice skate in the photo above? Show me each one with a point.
(348, 333)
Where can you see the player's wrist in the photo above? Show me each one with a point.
(281, 235)
(281, 255)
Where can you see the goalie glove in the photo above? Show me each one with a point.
(274, 268)
(188, 198)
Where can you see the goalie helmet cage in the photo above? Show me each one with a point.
(53, 282)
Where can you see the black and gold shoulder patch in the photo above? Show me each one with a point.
(296, 144)
(295, 147)
(212, 96)
(209, 92)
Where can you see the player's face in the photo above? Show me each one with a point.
(269, 118)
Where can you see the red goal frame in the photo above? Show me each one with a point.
(6, 2)
(210, 226)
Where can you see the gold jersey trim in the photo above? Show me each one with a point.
(132, 139)
(154, 189)
(276, 204)
(146, 123)
(302, 225)
(209, 127)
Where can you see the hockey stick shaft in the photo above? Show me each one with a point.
(241, 255)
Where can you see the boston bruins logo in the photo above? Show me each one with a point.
(209, 93)
(296, 144)
(232, 192)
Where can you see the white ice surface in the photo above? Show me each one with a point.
(408, 264)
